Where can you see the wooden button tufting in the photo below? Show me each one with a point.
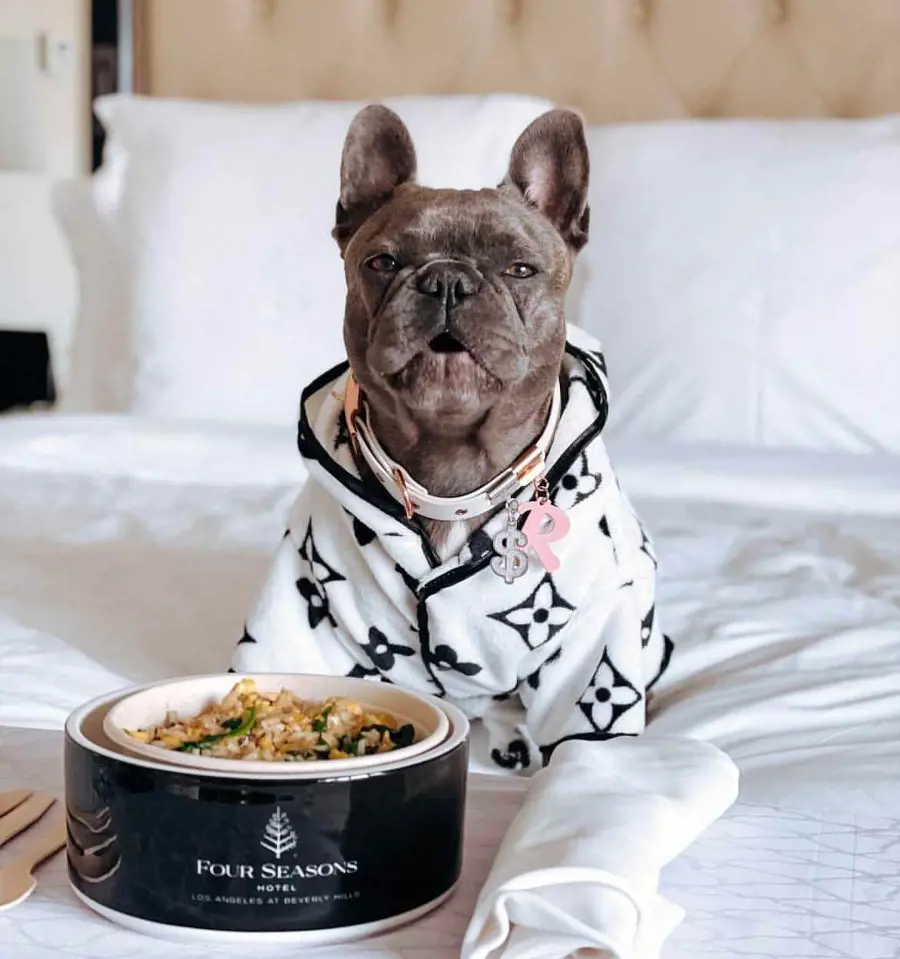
(390, 10)
(264, 9)
(514, 11)
(640, 12)
(778, 11)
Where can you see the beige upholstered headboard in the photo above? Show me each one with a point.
(612, 59)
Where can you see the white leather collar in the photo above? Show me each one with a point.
(414, 498)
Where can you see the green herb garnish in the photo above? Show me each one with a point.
(235, 727)
(321, 724)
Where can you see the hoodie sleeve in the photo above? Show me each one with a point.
(291, 628)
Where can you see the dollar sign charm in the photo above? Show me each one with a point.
(511, 561)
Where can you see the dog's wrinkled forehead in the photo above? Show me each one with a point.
(473, 225)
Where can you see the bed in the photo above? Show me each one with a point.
(792, 666)
(133, 539)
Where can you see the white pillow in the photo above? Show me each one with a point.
(744, 278)
(100, 355)
(223, 292)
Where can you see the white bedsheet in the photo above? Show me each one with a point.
(131, 550)
(764, 883)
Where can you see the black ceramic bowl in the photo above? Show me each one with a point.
(189, 854)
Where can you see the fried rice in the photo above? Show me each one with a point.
(249, 724)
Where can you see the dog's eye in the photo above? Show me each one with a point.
(382, 263)
(521, 271)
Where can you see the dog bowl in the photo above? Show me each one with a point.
(207, 854)
(148, 705)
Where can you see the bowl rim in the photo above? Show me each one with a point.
(357, 688)
(458, 736)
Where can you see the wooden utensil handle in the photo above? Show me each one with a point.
(9, 801)
(49, 841)
(23, 816)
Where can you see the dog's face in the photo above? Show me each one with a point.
(455, 298)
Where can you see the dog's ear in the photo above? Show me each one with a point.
(550, 166)
(378, 157)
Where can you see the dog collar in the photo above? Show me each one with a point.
(415, 499)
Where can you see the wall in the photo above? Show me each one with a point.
(44, 136)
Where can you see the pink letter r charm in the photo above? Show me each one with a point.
(545, 524)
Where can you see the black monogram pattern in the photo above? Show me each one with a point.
(647, 547)
(577, 485)
(444, 657)
(382, 652)
(607, 697)
(312, 588)
(538, 617)
(360, 672)
(362, 533)
(318, 568)
(517, 755)
(647, 626)
(479, 545)
(534, 679)
(604, 528)
(317, 606)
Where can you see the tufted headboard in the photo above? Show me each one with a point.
(614, 60)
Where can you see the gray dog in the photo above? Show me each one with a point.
(462, 532)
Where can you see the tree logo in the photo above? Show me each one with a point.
(279, 836)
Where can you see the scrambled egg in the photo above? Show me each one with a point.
(249, 724)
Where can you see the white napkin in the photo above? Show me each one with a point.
(578, 870)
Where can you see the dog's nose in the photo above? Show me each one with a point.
(450, 283)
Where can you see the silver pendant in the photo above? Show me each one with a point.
(512, 560)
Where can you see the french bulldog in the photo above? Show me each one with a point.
(455, 324)
(461, 374)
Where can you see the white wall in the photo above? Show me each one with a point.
(44, 136)
(20, 146)
(38, 286)
(48, 42)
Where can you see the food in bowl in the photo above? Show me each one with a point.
(146, 707)
(251, 724)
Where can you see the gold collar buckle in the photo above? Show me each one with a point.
(351, 409)
(404, 493)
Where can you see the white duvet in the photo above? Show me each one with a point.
(131, 551)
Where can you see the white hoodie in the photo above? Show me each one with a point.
(356, 590)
